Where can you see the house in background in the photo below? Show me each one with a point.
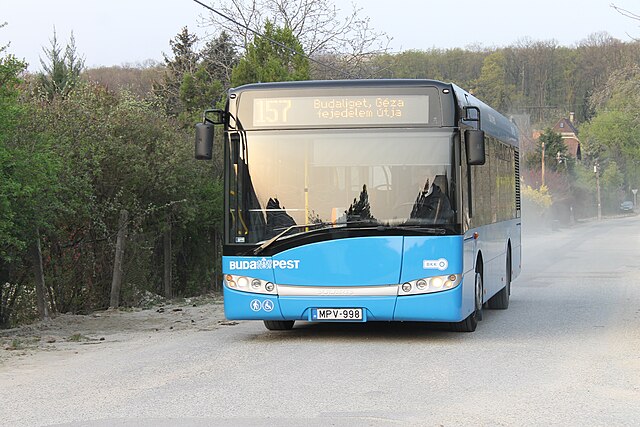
(566, 128)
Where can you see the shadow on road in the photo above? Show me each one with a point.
(379, 331)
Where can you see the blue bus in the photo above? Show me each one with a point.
(366, 200)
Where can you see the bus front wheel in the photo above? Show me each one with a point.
(471, 322)
(279, 325)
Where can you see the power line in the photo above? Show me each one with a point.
(277, 43)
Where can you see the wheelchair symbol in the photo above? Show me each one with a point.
(267, 305)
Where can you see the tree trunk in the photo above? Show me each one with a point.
(167, 257)
(214, 280)
(116, 281)
(4, 298)
(38, 271)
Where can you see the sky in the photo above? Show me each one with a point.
(121, 32)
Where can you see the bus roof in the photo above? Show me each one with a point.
(308, 84)
(492, 122)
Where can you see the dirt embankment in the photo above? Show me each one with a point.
(71, 332)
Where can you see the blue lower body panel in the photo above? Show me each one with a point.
(249, 306)
(446, 306)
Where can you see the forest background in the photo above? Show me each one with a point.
(87, 154)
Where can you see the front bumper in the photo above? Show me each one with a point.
(445, 306)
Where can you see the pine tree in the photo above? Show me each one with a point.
(61, 69)
(219, 57)
(183, 62)
(185, 58)
(266, 61)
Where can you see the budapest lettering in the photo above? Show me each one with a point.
(263, 264)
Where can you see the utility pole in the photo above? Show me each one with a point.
(542, 162)
(564, 159)
(596, 170)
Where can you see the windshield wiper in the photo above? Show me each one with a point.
(399, 227)
(272, 240)
(357, 224)
(416, 228)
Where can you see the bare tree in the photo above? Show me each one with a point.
(625, 12)
(3, 48)
(324, 30)
(625, 79)
(628, 14)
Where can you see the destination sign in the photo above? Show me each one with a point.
(354, 110)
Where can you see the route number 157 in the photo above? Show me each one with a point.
(270, 111)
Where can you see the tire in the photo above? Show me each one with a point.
(471, 322)
(279, 325)
(500, 301)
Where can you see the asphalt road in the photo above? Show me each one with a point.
(566, 352)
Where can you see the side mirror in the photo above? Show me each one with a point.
(474, 143)
(204, 141)
(205, 133)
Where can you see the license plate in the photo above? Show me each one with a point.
(348, 314)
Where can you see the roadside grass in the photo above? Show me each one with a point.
(16, 344)
(77, 337)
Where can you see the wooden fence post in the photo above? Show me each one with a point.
(116, 281)
(167, 256)
(38, 270)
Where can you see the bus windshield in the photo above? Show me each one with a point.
(375, 177)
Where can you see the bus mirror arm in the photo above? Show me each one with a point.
(205, 133)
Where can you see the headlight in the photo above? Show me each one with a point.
(430, 284)
(243, 282)
(249, 284)
(436, 283)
